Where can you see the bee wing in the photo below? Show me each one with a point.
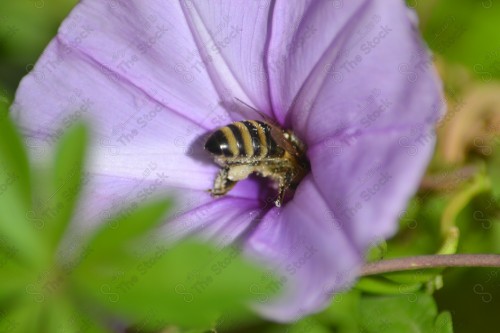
(279, 137)
(265, 117)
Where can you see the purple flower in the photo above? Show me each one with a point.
(351, 79)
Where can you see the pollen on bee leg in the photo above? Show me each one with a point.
(222, 183)
(239, 172)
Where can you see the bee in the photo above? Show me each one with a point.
(257, 147)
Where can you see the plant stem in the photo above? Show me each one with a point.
(431, 261)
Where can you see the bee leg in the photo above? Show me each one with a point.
(283, 184)
(222, 183)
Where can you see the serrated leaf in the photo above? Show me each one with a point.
(123, 230)
(130, 275)
(66, 180)
(412, 313)
(191, 283)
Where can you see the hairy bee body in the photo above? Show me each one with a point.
(252, 146)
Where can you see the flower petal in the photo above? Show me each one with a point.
(104, 195)
(143, 45)
(195, 212)
(220, 221)
(368, 179)
(142, 62)
(132, 131)
(232, 39)
(310, 254)
(365, 70)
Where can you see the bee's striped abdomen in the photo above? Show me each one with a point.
(250, 138)
(271, 146)
(218, 144)
(238, 139)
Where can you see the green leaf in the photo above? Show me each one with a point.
(413, 277)
(376, 252)
(309, 325)
(15, 195)
(14, 160)
(411, 313)
(62, 315)
(13, 280)
(58, 315)
(343, 312)
(132, 275)
(494, 172)
(480, 183)
(191, 283)
(123, 230)
(443, 323)
(21, 317)
(67, 177)
(381, 285)
(495, 235)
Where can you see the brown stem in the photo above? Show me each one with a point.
(431, 261)
(448, 180)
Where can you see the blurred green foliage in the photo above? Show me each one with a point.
(26, 27)
(464, 31)
(413, 312)
(461, 216)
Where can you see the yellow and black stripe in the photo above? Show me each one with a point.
(246, 139)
